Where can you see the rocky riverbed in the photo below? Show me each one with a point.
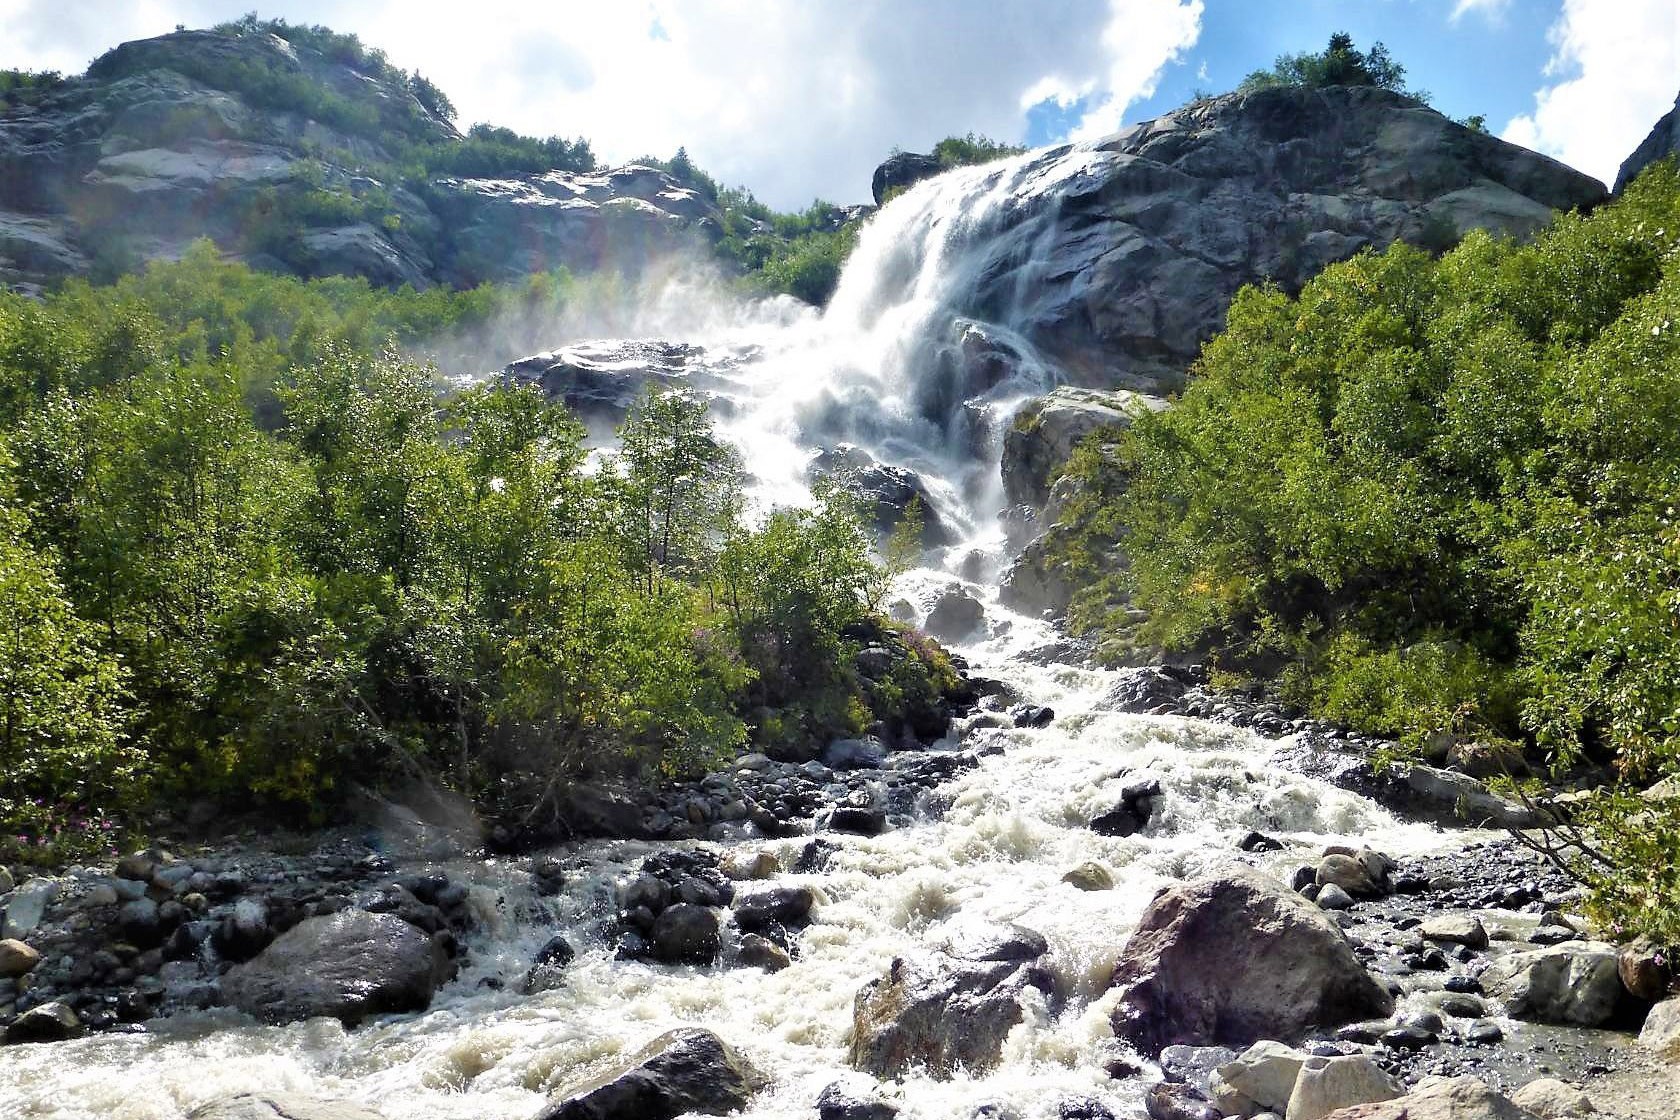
(1065, 909)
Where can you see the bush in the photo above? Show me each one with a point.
(1339, 64)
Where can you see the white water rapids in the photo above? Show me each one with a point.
(1015, 825)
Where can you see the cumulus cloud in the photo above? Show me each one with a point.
(794, 100)
(1611, 76)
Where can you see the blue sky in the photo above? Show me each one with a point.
(802, 98)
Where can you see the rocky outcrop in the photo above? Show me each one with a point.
(900, 171)
(347, 966)
(194, 134)
(1575, 983)
(1138, 246)
(1663, 141)
(680, 1072)
(1046, 431)
(1234, 958)
(950, 1007)
(884, 493)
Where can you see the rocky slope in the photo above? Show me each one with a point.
(1134, 254)
(191, 134)
(1663, 141)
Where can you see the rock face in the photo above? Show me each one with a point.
(348, 966)
(1233, 958)
(161, 143)
(951, 1007)
(1046, 431)
(680, 1072)
(1663, 141)
(901, 170)
(1138, 253)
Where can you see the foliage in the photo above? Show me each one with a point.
(1433, 495)
(1339, 64)
(247, 551)
(19, 87)
(962, 151)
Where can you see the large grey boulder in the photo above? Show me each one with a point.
(1577, 983)
(1326, 1084)
(347, 966)
(1662, 142)
(679, 1072)
(1440, 1098)
(1045, 432)
(1661, 1032)
(1036, 582)
(280, 1106)
(950, 1007)
(1261, 1077)
(1233, 958)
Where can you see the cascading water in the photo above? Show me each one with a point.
(886, 369)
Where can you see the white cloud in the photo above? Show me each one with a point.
(791, 99)
(1491, 10)
(1614, 73)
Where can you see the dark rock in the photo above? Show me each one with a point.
(853, 1098)
(884, 492)
(1662, 142)
(1169, 1100)
(956, 616)
(900, 171)
(948, 1008)
(786, 906)
(347, 966)
(761, 952)
(549, 969)
(1259, 842)
(1234, 958)
(48, 1022)
(815, 856)
(680, 1072)
(1035, 716)
(686, 934)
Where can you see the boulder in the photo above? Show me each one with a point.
(1089, 877)
(956, 616)
(26, 907)
(347, 966)
(1261, 1077)
(854, 1097)
(1326, 1084)
(17, 958)
(1455, 929)
(744, 865)
(1172, 1100)
(1233, 958)
(1575, 983)
(884, 492)
(682, 1071)
(1045, 432)
(900, 171)
(1451, 797)
(49, 1022)
(280, 1106)
(1661, 1031)
(548, 971)
(762, 953)
(1440, 1098)
(1036, 584)
(686, 934)
(783, 906)
(854, 754)
(1551, 1099)
(1645, 970)
(1662, 142)
(950, 1007)
(1195, 1065)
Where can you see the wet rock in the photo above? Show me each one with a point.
(595, 809)
(1661, 1032)
(1149, 689)
(1044, 433)
(854, 754)
(1575, 983)
(854, 1098)
(956, 616)
(1034, 716)
(1459, 1005)
(50, 1022)
(784, 906)
(686, 934)
(1259, 842)
(742, 865)
(1408, 1037)
(1645, 970)
(1234, 958)
(280, 1106)
(1485, 1033)
(814, 857)
(679, 1072)
(859, 813)
(760, 952)
(1263, 1076)
(1440, 1098)
(1455, 929)
(1327, 1084)
(17, 958)
(1089, 877)
(900, 171)
(1195, 1065)
(647, 891)
(884, 493)
(548, 876)
(347, 966)
(948, 1008)
(548, 971)
(1037, 582)
(1551, 1099)
(1138, 801)
(1363, 875)
(1171, 1100)
(244, 933)
(1332, 897)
